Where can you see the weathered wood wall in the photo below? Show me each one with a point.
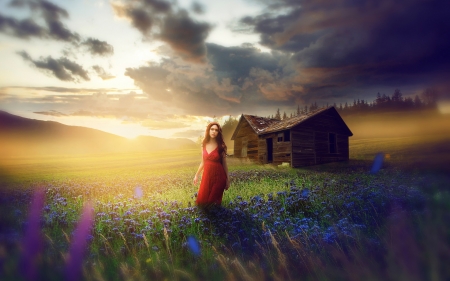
(246, 131)
(303, 148)
(262, 151)
(281, 151)
(311, 140)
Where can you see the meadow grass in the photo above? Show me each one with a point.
(30, 170)
(329, 222)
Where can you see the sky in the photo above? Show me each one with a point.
(166, 68)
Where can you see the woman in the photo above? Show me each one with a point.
(214, 165)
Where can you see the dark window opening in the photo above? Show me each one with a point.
(269, 150)
(332, 142)
(287, 136)
(280, 137)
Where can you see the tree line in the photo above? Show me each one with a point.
(383, 103)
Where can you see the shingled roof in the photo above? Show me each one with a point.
(262, 125)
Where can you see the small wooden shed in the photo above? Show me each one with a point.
(318, 137)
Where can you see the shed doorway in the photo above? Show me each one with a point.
(269, 150)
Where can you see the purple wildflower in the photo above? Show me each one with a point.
(79, 243)
(32, 243)
(138, 193)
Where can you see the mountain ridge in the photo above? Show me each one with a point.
(22, 136)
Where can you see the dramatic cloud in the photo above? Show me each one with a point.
(21, 28)
(166, 22)
(185, 36)
(102, 73)
(97, 47)
(49, 12)
(52, 16)
(312, 51)
(255, 72)
(346, 46)
(61, 68)
(197, 8)
(235, 80)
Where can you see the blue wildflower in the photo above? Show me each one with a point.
(194, 246)
(377, 162)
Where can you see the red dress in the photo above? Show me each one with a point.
(214, 179)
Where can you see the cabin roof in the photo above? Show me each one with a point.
(262, 125)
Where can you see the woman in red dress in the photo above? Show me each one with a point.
(215, 170)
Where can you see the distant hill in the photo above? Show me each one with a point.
(23, 137)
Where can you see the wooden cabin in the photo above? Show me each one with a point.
(318, 137)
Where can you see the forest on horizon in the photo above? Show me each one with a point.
(382, 103)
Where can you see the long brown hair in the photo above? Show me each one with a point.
(219, 138)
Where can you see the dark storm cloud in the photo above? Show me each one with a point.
(102, 73)
(21, 28)
(152, 79)
(49, 12)
(197, 8)
(165, 21)
(52, 17)
(345, 46)
(141, 20)
(158, 5)
(235, 80)
(262, 78)
(97, 47)
(185, 36)
(143, 14)
(236, 62)
(62, 68)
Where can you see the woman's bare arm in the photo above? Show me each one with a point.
(200, 168)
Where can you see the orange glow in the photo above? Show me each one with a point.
(444, 107)
(399, 124)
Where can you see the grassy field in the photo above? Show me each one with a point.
(430, 151)
(22, 170)
(327, 222)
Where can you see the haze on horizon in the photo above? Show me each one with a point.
(165, 68)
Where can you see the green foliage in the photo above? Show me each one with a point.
(199, 140)
(277, 115)
(228, 127)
